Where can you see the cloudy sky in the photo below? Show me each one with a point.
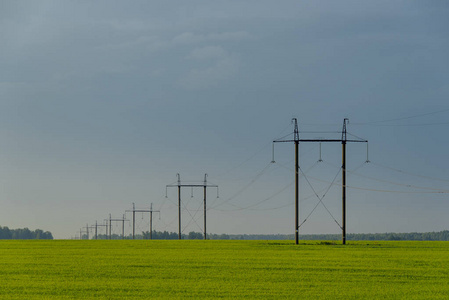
(103, 103)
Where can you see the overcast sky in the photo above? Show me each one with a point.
(103, 103)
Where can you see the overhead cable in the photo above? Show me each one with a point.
(262, 201)
(390, 182)
(411, 174)
(245, 187)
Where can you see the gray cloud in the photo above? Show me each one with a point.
(223, 67)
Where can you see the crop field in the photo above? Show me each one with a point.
(223, 269)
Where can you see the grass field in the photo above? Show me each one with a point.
(223, 269)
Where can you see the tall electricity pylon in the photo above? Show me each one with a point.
(134, 210)
(205, 185)
(123, 220)
(296, 140)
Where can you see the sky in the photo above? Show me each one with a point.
(103, 103)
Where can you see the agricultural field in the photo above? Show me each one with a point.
(223, 269)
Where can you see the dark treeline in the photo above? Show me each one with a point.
(157, 235)
(413, 236)
(389, 236)
(161, 235)
(24, 234)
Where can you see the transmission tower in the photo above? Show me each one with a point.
(96, 229)
(150, 211)
(151, 219)
(296, 140)
(87, 230)
(205, 185)
(123, 220)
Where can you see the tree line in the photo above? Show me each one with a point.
(157, 235)
(24, 234)
(389, 236)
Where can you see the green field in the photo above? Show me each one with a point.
(223, 269)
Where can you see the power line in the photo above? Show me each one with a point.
(379, 190)
(399, 184)
(245, 187)
(272, 196)
(389, 181)
(408, 173)
(250, 207)
(260, 202)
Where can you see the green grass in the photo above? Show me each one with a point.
(223, 269)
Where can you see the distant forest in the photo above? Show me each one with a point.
(24, 234)
(413, 236)
(389, 236)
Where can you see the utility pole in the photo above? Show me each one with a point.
(151, 219)
(205, 185)
(296, 141)
(87, 230)
(92, 227)
(343, 182)
(205, 191)
(117, 220)
(96, 229)
(179, 206)
(107, 227)
(123, 227)
(134, 210)
(110, 227)
(344, 140)
(134, 220)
